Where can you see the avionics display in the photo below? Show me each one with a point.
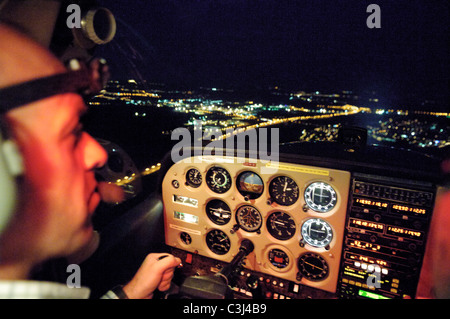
(409, 209)
(363, 202)
(403, 232)
(385, 239)
(377, 227)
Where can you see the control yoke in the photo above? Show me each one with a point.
(216, 286)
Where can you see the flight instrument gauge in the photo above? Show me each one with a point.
(317, 232)
(320, 197)
(281, 226)
(313, 267)
(193, 177)
(218, 212)
(218, 179)
(186, 238)
(278, 258)
(283, 190)
(250, 185)
(218, 242)
(249, 218)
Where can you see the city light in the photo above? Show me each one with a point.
(210, 108)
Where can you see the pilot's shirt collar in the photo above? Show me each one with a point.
(29, 289)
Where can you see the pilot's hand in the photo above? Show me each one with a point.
(155, 272)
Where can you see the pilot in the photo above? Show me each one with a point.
(57, 192)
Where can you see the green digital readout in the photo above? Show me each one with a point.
(371, 295)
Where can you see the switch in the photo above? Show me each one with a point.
(188, 259)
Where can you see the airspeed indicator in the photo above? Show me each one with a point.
(218, 179)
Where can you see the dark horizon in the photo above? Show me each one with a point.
(296, 45)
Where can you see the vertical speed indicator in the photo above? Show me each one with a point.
(281, 226)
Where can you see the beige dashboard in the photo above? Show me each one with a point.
(293, 214)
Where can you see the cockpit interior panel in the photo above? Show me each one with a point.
(318, 231)
(294, 215)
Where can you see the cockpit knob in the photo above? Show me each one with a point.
(254, 286)
(235, 228)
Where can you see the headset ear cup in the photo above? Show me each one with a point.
(10, 167)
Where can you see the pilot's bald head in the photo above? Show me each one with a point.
(22, 59)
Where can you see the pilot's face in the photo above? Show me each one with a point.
(59, 192)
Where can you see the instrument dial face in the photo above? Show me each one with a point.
(218, 242)
(281, 226)
(317, 232)
(283, 190)
(218, 212)
(320, 197)
(218, 180)
(249, 218)
(185, 238)
(250, 185)
(194, 177)
(278, 258)
(313, 267)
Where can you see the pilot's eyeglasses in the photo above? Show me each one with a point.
(84, 79)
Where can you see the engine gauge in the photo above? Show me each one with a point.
(320, 197)
(281, 226)
(250, 185)
(193, 177)
(218, 212)
(218, 242)
(218, 179)
(185, 238)
(283, 190)
(278, 258)
(313, 267)
(317, 232)
(249, 218)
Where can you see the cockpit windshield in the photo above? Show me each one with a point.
(308, 68)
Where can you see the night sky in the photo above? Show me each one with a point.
(312, 45)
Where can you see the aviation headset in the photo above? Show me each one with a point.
(10, 168)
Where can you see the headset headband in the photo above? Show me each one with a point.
(82, 79)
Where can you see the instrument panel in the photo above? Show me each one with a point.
(385, 238)
(295, 215)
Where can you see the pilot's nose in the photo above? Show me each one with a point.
(95, 155)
